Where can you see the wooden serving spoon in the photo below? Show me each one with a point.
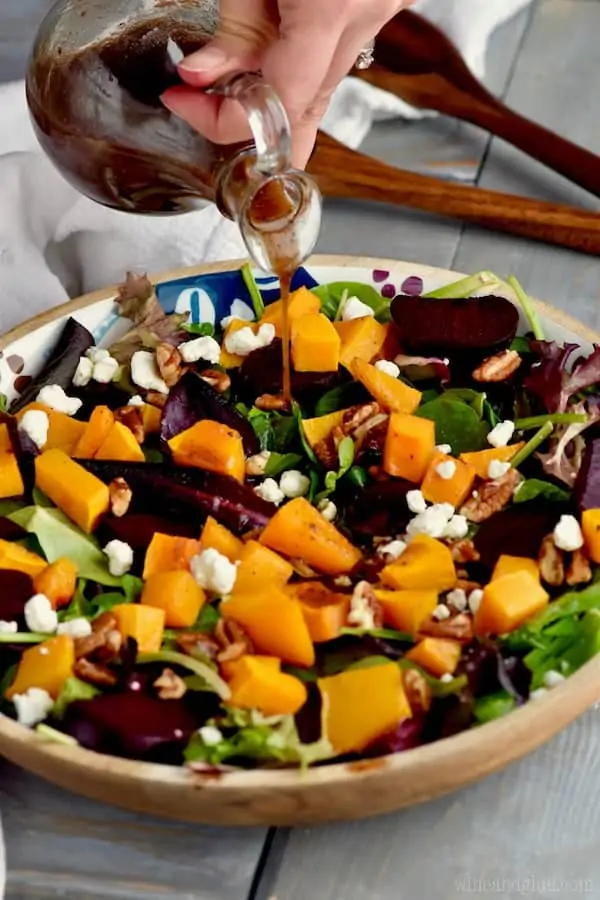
(417, 62)
(344, 173)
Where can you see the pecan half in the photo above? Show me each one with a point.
(131, 417)
(195, 643)
(498, 367)
(94, 673)
(418, 692)
(170, 686)
(459, 627)
(233, 641)
(272, 402)
(170, 363)
(105, 639)
(464, 551)
(361, 422)
(579, 570)
(120, 497)
(551, 562)
(219, 381)
(491, 497)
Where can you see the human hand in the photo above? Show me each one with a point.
(303, 47)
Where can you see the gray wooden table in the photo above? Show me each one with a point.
(531, 831)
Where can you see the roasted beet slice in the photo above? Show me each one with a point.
(60, 367)
(133, 725)
(262, 373)
(380, 509)
(191, 400)
(138, 529)
(15, 590)
(445, 327)
(587, 485)
(9, 531)
(516, 531)
(185, 492)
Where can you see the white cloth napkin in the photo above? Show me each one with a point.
(55, 244)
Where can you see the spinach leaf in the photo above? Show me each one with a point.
(456, 424)
(358, 476)
(521, 344)
(474, 399)
(281, 462)
(8, 507)
(331, 295)
(58, 537)
(340, 397)
(199, 329)
(493, 706)
(536, 489)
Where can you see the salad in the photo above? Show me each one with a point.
(194, 571)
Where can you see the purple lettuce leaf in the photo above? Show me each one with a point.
(549, 378)
(191, 400)
(406, 736)
(565, 455)
(488, 671)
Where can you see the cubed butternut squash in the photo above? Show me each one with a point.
(409, 446)
(145, 624)
(480, 460)
(151, 418)
(177, 594)
(506, 565)
(256, 684)
(5, 441)
(407, 610)
(391, 393)
(57, 581)
(299, 531)
(260, 566)
(361, 705)
(508, 602)
(325, 611)
(212, 446)
(426, 564)
(300, 303)
(274, 623)
(46, 666)
(229, 667)
(315, 344)
(79, 494)
(232, 360)
(317, 429)
(95, 433)
(11, 482)
(64, 432)
(13, 556)
(438, 656)
(437, 487)
(361, 339)
(590, 525)
(121, 445)
(168, 553)
(216, 537)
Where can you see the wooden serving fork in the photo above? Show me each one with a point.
(418, 63)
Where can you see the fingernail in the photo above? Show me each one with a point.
(204, 60)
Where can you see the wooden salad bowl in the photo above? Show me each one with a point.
(327, 793)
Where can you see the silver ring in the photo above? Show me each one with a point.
(366, 57)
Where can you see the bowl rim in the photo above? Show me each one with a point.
(441, 766)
